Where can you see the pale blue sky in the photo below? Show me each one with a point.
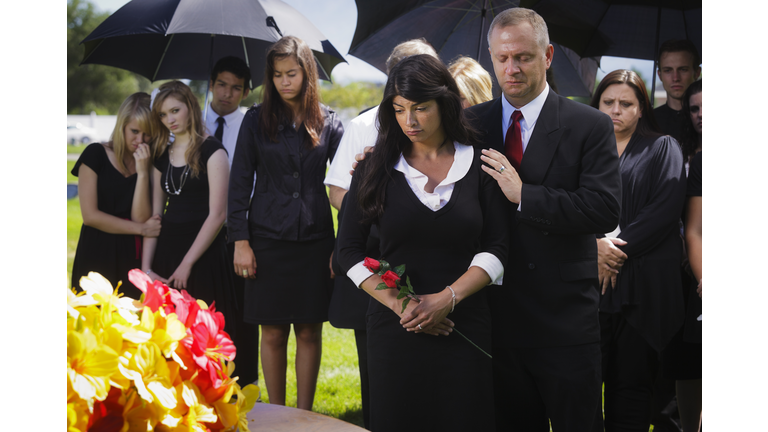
(336, 20)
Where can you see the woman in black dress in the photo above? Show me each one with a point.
(641, 307)
(687, 366)
(438, 214)
(113, 185)
(190, 176)
(284, 235)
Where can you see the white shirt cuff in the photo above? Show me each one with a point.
(359, 273)
(491, 265)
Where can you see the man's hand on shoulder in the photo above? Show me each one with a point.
(502, 171)
(359, 157)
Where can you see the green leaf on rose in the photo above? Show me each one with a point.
(403, 292)
(381, 286)
(384, 266)
(405, 304)
(400, 270)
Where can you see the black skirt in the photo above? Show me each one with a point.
(293, 282)
(211, 277)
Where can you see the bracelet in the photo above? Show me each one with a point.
(148, 271)
(453, 297)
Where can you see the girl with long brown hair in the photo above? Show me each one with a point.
(282, 227)
(190, 193)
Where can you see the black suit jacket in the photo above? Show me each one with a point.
(571, 191)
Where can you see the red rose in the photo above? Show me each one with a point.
(372, 265)
(390, 278)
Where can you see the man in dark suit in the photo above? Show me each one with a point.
(558, 167)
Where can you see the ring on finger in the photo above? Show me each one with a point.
(420, 327)
(245, 272)
(501, 170)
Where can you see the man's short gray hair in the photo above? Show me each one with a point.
(409, 48)
(516, 16)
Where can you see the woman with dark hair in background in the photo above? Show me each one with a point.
(113, 185)
(190, 192)
(284, 245)
(641, 306)
(691, 136)
(438, 214)
(684, 364)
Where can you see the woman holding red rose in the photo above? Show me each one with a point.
(424, 190)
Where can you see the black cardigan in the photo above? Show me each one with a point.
(652, 196)
(290, 200)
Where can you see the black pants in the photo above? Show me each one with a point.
(361, 340)
(630, 366)
(536, 386)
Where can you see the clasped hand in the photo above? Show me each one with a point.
(609, 261)
(430, 312)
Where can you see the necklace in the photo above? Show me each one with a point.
(169, 175)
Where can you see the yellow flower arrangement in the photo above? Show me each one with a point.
(162, 362)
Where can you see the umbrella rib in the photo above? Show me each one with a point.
(247, 63)
(467, 11)
(162, 58)
(93, 51)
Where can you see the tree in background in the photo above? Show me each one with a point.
(93, 87)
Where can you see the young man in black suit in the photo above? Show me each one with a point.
(558, 167)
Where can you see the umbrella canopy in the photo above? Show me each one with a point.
(619, 28)
(454, 28)
(176, 39)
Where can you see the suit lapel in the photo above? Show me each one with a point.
(543, 143)
(491, 125)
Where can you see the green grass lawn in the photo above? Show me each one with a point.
(70, 177)
(76, 149)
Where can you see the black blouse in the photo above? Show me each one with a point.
(694, 176)
(290, 201)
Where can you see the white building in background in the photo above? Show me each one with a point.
(102, 124)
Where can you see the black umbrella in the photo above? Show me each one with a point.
(176, 39)
(620, 28)
(454, 28)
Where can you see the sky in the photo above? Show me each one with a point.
(336, 19)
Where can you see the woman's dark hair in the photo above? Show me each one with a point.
(689, 139)
(274, 110)
(419, 78)
(646, 125)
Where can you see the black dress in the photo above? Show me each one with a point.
(111, 255)
(210, 279)
(413, 377)
(287, 221)
(641, 315)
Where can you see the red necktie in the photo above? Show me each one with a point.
(513, 142)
